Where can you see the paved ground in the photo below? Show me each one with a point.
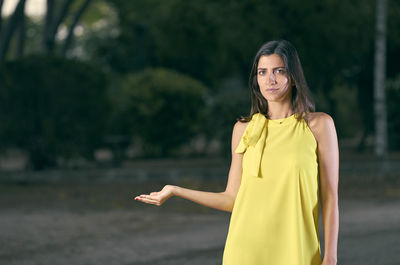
(101, 224)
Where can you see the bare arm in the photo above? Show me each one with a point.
(328, 155)
(223, 201)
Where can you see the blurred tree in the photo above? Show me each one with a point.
(53, 22)
(379, 81)
(16, 19)
(87, 30)
(161, 107)
(52, 108)
(57, 13)
(228, 104)
(21, 32)
(1, 17)
(77, 17)
(216, 40)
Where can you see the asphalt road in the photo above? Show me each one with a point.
(102, 225)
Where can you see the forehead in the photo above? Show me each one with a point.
(270, 61)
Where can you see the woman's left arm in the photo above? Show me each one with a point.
(328, 160)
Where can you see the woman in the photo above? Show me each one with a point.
(284, 155)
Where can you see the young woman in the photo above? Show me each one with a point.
(284, 158)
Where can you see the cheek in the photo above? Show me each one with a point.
(285, 81)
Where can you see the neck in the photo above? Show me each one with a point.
(279, 110)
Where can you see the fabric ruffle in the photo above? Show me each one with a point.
(253, 141)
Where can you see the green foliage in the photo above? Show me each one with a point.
(162, 107)
(209, 41)
(347, 116)
(227, 105)
(212, 40)
(52, 108)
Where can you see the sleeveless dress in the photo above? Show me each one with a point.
(274, 220)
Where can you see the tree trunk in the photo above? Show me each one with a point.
(70, 35)
(21, 36)
(1, 18)
(55, 24)
(11, 26)
(379, 81)
(48, 21)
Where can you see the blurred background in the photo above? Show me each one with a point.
(103, 100)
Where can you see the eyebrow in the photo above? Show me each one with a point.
(272, 68)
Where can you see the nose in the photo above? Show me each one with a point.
(271, 78)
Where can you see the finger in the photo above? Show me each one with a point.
(154, 193)
(149, 201)
(156, 203)
(156, 198)
(149, 198)
(144, 196)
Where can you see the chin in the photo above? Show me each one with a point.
(274, 99)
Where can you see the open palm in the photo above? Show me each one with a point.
(157, 197)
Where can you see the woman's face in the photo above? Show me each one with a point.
(273, 78)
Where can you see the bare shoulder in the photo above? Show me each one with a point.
(320, 124)
(319, 119)
(238, 131)
(240, 127)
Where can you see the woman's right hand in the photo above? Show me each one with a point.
(157, 197)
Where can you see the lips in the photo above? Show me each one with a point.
(271, 90)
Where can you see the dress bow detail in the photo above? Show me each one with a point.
(253, 142)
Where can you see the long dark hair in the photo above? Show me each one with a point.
(302, 102)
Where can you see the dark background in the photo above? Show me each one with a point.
(142, 79)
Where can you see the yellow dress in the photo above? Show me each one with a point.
(275, 217)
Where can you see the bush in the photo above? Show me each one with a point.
(163, 108)
(52, 108)
(347, 112)
(226, 106)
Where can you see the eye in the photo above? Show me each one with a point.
(261, 72)
(280, 71)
